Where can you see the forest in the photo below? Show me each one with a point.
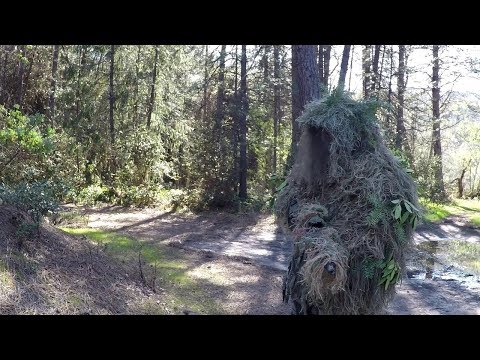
(114, 147)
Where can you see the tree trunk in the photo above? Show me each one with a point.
(326, 66)
(276, 103)
(305, 87)
(21, 73)
(400, 133)
(460, 183)
(266, 51)
(376, 59)
(436, 136)
(151, 103)
(236, 175)
(53, 84)
(389, 97)
(220, 113)
(344, 66)
(135, 94)
(27, 76)
(321, 52)
(242, 193)
(112, 97)
(366, 66)
(205, 85)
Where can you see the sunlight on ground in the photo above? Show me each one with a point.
(216, 273)
(7, 283)
(181, 290)
(437, 212)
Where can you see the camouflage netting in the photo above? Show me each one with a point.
(350, 208)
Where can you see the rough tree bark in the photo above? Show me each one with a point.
(305, 87)
(344, 66)
(326, 66)
(389, 94)
(401, 132)
(219, 113)
(112, 97)
(53, 84)
(460, 183)
(375, 75)
(321, 51)
(21, 73)
(236, 175)
(135, 91)
(205, 85)
(436, 135)
(151, 103)
(276, 103)
(242, 193)
(366, 66)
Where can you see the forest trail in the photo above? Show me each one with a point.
(432, 286)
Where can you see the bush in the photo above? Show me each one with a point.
(93, 194)
(38, 198)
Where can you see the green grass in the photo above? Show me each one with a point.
(437, 212)
(466, 254)
(475, 219)
(181, 290)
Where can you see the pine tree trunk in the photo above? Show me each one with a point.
(276, 103)
(151, 103)
(400, 133)
(112, 97)
(375, 77)
(389, 97)
(266, 52)
(460, 183)
(436, 136)
(205, 85)
(220, 113)
(21, 73)
(321, 53)
(305, 87)
(344, 66)
(53, 84)
(326, 66)
(135, 94)
(366, 66)
(235, 132)
(27, 76)
(242, 193)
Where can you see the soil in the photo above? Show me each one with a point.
(250, 254)
(50, 272)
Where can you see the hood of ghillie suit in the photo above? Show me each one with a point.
(350, 208)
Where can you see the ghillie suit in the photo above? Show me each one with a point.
(351, 209)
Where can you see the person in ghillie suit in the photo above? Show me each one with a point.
(351, 209)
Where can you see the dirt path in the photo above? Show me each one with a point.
(256, 242)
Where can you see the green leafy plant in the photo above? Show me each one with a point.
(36, 198)
(405, 212)
(279, 182)
(390, 273)
(379, 212)
(369, 265)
